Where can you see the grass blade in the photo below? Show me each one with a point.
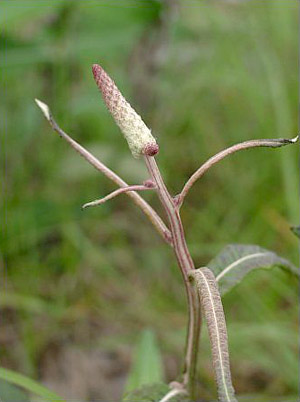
(28, 384)
(147, 365)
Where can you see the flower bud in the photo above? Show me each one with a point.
(137, 134)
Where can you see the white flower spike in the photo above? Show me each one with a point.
(137, 134)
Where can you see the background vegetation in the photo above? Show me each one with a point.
(78, 287)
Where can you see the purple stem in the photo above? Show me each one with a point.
(121, 190)
(186, 264)
(145, 207)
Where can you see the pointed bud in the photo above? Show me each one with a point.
(137, 134)
(44, 108)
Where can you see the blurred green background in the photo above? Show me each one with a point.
(78, 287)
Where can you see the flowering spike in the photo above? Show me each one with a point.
(137, 134)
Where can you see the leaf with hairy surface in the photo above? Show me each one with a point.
(215, 319)
(236, 260)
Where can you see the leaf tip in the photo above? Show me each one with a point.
(44, 108)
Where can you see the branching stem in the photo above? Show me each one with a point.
(141, 142)
(115, 194)
(145, 207)
(186, 264)
(272, 143)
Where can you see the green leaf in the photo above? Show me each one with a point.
(153, 393)
(147, 363)
(236, 260)
(24, 302)
(28, 384)
(11, 393)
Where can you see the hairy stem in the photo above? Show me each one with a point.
(270, 143)
(186, 265)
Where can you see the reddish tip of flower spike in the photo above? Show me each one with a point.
(151, 149)
(97, 70)
(104, 83)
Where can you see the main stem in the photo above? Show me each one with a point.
(186, 264)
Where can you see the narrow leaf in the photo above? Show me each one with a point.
(236, 260)
(24, 302)
(28, 384)
(147, 364)
(11, 393)
(214, 314)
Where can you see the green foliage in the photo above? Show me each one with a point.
(153, 393)
(237, 260)
(27, 303)
(28, 384)
(11, 393)
(147, 363)
(147, 393)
